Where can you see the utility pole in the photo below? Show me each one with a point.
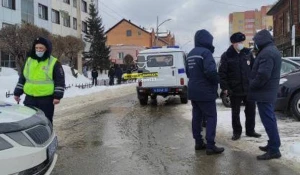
(157, 27)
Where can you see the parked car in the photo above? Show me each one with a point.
(289, 89)
(27, 141)
(296, 59)
(288, 96)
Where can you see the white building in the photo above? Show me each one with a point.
(61, 17)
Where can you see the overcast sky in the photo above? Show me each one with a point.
(187, 16)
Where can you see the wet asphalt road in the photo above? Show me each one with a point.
(119, 137)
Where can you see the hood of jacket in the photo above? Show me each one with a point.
(204, 39)
(47, 53)
(263, 38)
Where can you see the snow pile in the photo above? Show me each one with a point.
(9, 79)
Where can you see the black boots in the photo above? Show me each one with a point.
(269, 155)
(235, 137)
(200, 146)
(253, 134)
(263, 148)
(214, 150)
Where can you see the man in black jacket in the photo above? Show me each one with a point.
(264, 83)
(234, 72)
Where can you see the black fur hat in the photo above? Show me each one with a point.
(41, 40)
(237, 37)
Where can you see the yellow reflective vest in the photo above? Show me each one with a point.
(39, 77)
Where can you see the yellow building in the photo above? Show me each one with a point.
(249, 22)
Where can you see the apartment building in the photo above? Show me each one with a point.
(248, 22)
(60, 17)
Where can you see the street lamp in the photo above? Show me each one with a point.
(157, 26)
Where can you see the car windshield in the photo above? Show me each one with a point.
(288, 67)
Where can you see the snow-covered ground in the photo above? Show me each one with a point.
(288, 128)
(9, 79)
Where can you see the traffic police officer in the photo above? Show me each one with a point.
(42, 79)
(202, 91)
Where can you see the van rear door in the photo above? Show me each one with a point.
(163, 64)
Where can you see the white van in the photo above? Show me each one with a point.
(163, 71)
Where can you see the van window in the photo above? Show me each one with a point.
(160, 60)
(141, 60)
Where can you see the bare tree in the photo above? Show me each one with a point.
(58, 47)
(73, 46)
(17, 41)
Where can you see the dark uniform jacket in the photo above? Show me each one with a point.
(265, 74)
(234, 71)
(58, 74)
(94, 73)
(201, 69)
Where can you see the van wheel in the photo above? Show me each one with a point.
(144, 100)
(295, 106)
(184, 100)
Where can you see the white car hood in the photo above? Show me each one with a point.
(15, 117)
(14, 113)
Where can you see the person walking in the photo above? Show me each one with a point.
(202, 91)
(264, 84)
(94, 76)
(42, 79)
(111, 75)
(234, 73)
(119, 74)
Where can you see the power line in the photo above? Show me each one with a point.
(229, 4)
(111, 9)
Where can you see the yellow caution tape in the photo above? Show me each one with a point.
(139, 75)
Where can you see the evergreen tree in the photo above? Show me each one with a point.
(98, 52)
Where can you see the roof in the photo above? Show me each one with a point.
(275, 7)
(160, 50)
(129, 23)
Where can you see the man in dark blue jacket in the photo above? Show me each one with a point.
(202, 91)
(234, 74)
(264, 83)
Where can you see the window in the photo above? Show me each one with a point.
(139, 32)
(128, 33)
(66, 1)
(121, 55)
(160, 61)
(287, 67)
(84, 27)
(11, 4)
(7, 60)
(75, 3)
(43, 12)
(84, 6)
(66, 21)
(55, 16)
(75, 23)
(6, 25)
